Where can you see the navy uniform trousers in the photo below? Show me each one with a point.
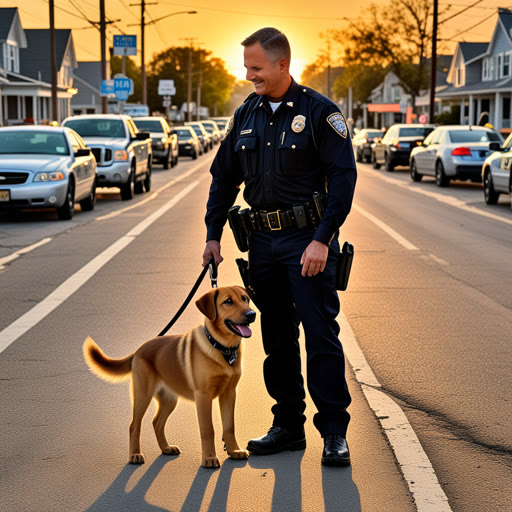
(286, 299)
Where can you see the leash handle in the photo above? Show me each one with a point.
(213, 271)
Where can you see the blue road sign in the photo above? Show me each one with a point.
(107, 87)
(123, 88)
(125, 45)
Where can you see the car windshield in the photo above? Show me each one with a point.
(150, 125)
(221, 124)
(197, 129)
(97, 127)
(420, 131)
(183, 134)
(208, 127)
(473, 136)
(32, 142)
(375, 133)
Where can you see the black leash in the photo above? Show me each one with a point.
(213, 277)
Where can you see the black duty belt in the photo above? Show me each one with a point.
(299, 217)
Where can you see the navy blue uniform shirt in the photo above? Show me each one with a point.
(283, 157)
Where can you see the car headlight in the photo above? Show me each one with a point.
(49, 176)
(163, 140)
(121, 155)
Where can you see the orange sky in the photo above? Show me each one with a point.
(221, 25)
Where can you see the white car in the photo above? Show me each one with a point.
(46, 167)
(496, 172)
(453, 153)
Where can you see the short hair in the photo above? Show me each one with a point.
(273, 41)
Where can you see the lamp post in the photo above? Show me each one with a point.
(142, 47)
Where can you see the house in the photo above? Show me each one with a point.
(25, 71)
(480, 77)
(88, 83)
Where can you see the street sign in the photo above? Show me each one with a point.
(122, 88)
(125, 45)
(166, 103)
(107, 87)
(166, 88)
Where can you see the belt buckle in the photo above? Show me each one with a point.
(276, 214)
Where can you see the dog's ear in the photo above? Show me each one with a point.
(207, 304)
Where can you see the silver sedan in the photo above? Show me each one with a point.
(453, 153)
(46, 167)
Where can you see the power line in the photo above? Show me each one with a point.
(468, 29)
(460, 12)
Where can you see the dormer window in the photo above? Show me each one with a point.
(11, 58)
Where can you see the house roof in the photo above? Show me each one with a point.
(7, 15)
(504, 84)
(471, 51)
(90, 72)
(36, 57)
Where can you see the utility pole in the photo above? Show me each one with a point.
(433, 65)
(103, 36)
(190, 41)
(53, 63)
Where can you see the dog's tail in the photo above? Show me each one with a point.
(106, 368)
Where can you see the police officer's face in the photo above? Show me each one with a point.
(271, 79)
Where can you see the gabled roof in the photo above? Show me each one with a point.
(36, 58)
(90, 72)
(10, 25)
(471, 51)
(505, 24)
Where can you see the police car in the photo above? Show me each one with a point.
(496, 174)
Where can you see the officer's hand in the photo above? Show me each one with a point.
(314, 258)
(212, 249)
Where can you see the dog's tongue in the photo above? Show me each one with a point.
(244, 330)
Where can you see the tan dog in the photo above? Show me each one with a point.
(201, 365)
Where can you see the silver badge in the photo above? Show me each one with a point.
(298, 123)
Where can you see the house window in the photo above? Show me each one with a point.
(499, 66)
(488, 68)
(506, 65)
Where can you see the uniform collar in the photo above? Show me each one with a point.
(289, 101)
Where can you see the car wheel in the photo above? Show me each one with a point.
(368, 158)
(66, 211)
(127, 188)
(415, 175)
(194, 155)
(175, 161)
(89, 202)
(375, 165)
(389, 166)
(490, 194)
(147, 181)
(359, 158)
(441, 179)
(168, 162)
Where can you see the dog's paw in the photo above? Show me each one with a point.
(171, 450)
(137, 458)
(239, 454)
(210, 462)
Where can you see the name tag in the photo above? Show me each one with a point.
(246, 132)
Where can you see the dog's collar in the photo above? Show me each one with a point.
(229, 353)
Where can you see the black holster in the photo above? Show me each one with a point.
(240, 232)
(345, 258)
(243, 268)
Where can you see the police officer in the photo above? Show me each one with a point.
(285, 143)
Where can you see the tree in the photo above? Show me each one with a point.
(391, 37)
(363, 79)
(172, 64)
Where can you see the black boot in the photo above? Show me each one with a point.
(336, 451)
(277, 440)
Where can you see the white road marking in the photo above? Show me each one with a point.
(19, 327)
(155, 194)
(390, 231)
(416, 467)
(449, 200)
(16, 254)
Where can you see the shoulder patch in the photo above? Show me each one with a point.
(229, 126)
(337, 121)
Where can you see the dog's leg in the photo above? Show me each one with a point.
(166, 404)
(143, 388)
(204, 416)
(227, 413)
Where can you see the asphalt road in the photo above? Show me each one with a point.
(432, 316)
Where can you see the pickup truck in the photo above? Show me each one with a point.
(164, 140)
(123, 153)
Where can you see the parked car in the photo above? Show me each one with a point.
(163, 139)
(395, 147)
(212, 128)
(123, 153)
(46, 167)
(222, 122)
(453, 153)
(362, 143)
(188, 141)
(202, 135)
(496, 171)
